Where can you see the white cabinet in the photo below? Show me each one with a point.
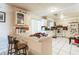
(74, 28)
(20, 18)
(40, 46)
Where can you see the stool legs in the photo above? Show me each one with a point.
(10, 49)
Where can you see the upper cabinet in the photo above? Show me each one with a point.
(20, 16)
(21, 22)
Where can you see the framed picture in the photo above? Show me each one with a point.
(2, 16)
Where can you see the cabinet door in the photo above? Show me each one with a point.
(20, 18)
(73, 28)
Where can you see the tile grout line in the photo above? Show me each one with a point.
(58, 41)
(70, 49)
(61, 48)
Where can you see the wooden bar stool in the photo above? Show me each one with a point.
(11, 45)
(20, 48)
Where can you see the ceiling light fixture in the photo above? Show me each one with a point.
(53, 9)
(61, 16)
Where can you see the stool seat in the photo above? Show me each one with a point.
(21, 45)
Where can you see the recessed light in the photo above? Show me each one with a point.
(54, 9)
(61, 16)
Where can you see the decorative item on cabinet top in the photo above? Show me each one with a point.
(18, 9)
(26, 27)
(54, 27)
(21, 29)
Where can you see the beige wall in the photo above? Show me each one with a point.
(5, 27)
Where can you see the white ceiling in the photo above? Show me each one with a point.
(41, 9)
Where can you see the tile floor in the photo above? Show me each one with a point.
(61, 47)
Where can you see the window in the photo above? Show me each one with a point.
(36, 25)
(50, 23)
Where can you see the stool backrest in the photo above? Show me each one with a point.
(10, 39)
(16, 43)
